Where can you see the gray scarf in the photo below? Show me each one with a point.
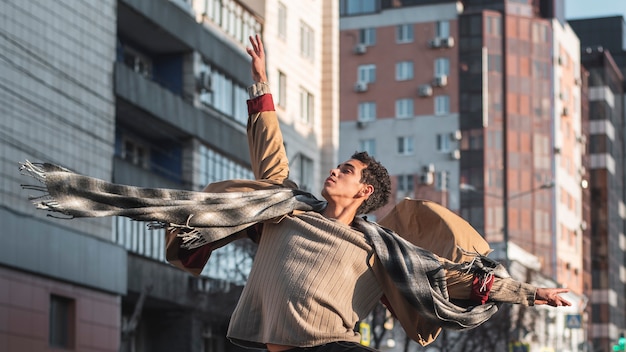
(417, 273)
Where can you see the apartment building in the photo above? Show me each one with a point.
(604, 58)
(149, 93)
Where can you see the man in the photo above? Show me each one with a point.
(319, 268)
(311, 280)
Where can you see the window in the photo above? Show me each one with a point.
(306, 106)
(404, 108)
(62, 316)
(442, 67)
(441, 180)
(367, 73)
(135, 152)
(356, 7)
(306, 173)
(404, 71)
(137, 61)
(367, 36)
(282, 21)
(368, 145)
(442, 105)
(443, 142)
(404, 33)
(281, 93)
(442, 29)
(214, 167)
(367, 111)
(405, 183)
(405, 145)
(306, 41)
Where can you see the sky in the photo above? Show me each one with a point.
(594, 8)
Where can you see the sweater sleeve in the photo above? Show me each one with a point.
(507, 290)
(265, 140)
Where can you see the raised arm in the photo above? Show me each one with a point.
(265, 140)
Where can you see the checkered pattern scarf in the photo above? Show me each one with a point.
(417, 273)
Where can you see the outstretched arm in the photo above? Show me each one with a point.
(265, 140)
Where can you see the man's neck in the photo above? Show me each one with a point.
(344, 215)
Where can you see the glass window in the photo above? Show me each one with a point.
(443, 142)
(442, 67)
(442, 29)
(306, 106)
(355, 7)
(282, 21)
(367, 111)
(442, 105)
(405, 145)
(281, 94)
(404, 108)
(406, 183)
(404, 71)
(367, 73)
(368, 145)
(306, 41)
(367, 36)
(404, 33)
(306, 173)
(441, 180)
(62, 322)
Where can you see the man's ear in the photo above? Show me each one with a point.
(367, 191)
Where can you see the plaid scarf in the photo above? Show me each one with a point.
(417, 273)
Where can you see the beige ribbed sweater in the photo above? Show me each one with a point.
(310, 284)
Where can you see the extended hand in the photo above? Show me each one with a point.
(551, 296)
(257, 53)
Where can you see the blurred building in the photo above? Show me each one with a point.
(480, 102)
(604, 58)
(149, 93)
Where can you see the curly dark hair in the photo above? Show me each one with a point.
(374, 174)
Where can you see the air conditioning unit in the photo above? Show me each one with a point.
(582, 139)
(361, 124)
(447, 42)
(440, 81)
(360, 86)
(204, 81)
(427, 178)
(425, 90)
(360, 49)
(577, 81)
(565, 111)
(435, 42)
(455, 154)
(456, 135)
(430, 168)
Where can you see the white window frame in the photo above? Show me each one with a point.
(406, 183)
(281, 94)
(406, 145)
(367, 111)
(444, 142)
(307, 41)
(404, 108)
(442, 105)
(442, 66)
(404, 33)
(442, 29)
(367, 73)
(306, 106)
(367, 36)
(368, 145)
(404, 70)
(282, 21)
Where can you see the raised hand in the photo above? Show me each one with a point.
(257, 53)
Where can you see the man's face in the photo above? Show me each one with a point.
(344, 182)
